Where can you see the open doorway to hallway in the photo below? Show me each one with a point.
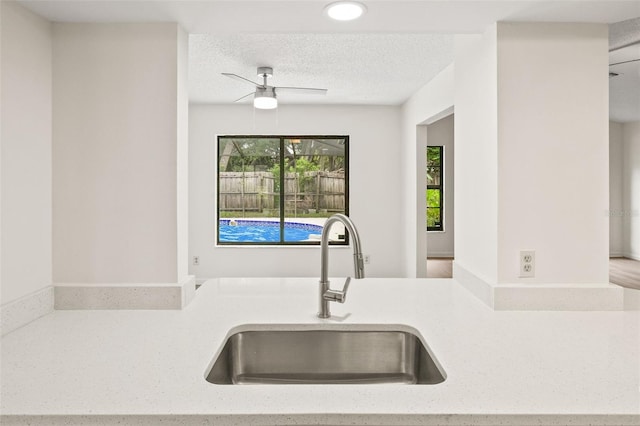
(624, 218)
(439, 196)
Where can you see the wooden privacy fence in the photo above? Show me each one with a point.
(258, 191)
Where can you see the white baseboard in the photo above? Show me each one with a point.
(631, 256)
(631, 299)
(22, 311)
(200, 281)
(188, 285)
(476, 285)
(558, 297)
(446, 254)
(542, 297)
(125, 296)
(616, 254)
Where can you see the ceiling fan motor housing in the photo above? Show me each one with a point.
(265, 72)
(268, 92)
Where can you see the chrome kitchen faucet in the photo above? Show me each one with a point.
(326, 293)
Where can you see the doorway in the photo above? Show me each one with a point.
(437, 191)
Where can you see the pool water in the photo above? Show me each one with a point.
(265, 231)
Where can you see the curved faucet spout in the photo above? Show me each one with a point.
(326, 293)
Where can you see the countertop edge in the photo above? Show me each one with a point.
(328, 419)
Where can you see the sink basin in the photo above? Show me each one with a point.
(324, 356)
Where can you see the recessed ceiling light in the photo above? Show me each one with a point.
(345, 10)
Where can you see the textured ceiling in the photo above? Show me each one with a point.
(380, 69)
(624, 33)
(624, 90)
(382, 58)
(306, 16)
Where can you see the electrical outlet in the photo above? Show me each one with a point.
(367, 259)
(196, 260)
(527, 263)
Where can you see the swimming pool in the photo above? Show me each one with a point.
(265, 231)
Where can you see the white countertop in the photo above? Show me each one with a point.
(502, 367)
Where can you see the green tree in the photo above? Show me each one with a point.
(433, 164)
(248, 154)
(300, 166)
(433, 207)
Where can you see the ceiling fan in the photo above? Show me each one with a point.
(265, 95)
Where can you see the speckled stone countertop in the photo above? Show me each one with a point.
(148, 367)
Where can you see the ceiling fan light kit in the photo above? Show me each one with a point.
(345, 10)
(265, 98)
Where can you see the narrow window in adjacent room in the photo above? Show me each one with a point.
(435, 188)
(280, 190)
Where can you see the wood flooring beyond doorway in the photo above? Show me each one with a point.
(440, 267)
(622, 271)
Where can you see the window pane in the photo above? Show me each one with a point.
(434, 156)
(433, 198)
(276, 190)
(434, 188)
(248, 191)
(315, 187)
(434, 175)
(434, 165)
(434, 219)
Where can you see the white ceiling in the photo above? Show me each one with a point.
(624, 90)
(306, 16)
(377, 69)
(382, 58)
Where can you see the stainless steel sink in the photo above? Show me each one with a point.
(327, 356)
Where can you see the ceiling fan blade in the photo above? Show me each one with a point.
(301, 90)
(237, 77)
(248, 94)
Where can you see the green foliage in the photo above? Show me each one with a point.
(434, 177)
(249, 164)
(300, 167)
(433, 217)
(276, 177)
(248, 154)
(434, 164)
(433, 155)
(434, 212)
(433, 198)
(262, 154)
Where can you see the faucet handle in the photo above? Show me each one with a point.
(337, 295)
(346, 286)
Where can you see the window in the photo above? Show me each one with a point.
(279, 190)
(435, 188)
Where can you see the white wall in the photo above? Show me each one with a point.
(421, 242)
(631, 188)
(26, 152)
(432, 102)
(116, 105)
(531, 132)
(182, 155)
(616, 207)
(476, 154)
(441, 133)
(374, 173)
(553, 148)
